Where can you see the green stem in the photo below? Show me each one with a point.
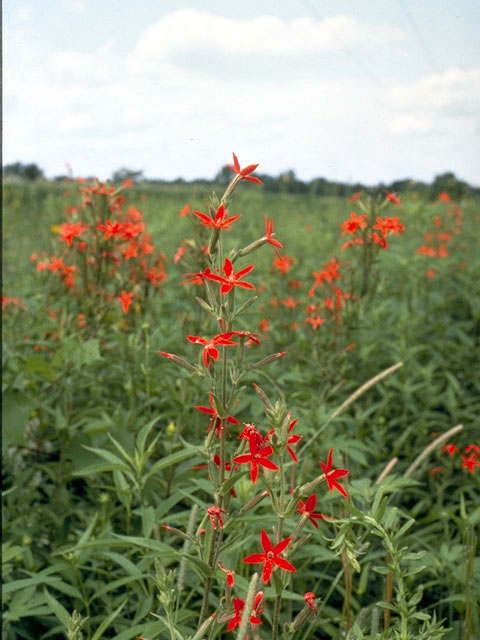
(208, 581)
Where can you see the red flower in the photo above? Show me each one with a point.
(215, 420)
(351, 243)
(230, 575)
(283, 263)
(244, 173)
(380, 240)
(443, 197)
(472, 447)
(355, 196)
(354, 223)
(210, 346)
(315, 321)
(215, 515)
(126, 300)
(252, 337)
(392, 197)
(310, 601)
(308, 509)
(264, 325)
(270, 557)
(71, 230)
(436, 470)
(389, 224)
(451, 449)
(293, 439)
(231, 279)
(257, 456)
(252, 434)
(220, 222)
(331, 476)
(239, 606)
(269, 233)
(185, 211)
(470, 462)
(110, 229)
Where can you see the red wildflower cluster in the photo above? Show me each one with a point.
(443, 229)
(107, 253)
(469, 462)
(9, 301)
(257, 451)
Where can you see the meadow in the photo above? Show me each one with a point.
(331, 421)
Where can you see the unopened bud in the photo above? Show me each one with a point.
(180, 361)
(254, 501)
(268, 359)
(203, 628)
(177, 532)
(263, 397)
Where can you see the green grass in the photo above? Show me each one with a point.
(82, 519)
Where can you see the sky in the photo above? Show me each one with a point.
(353, 90)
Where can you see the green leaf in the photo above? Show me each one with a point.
(16, 409)
(57, 608)
(77, 352)
(146, 543)
(9, 553)
(474, 517)
(125, 563)
(101, 467)
(148, 520)
(404, 528)
(144, 433)
(23, 583)
(39, 365)
(170, 460)
(107, 622)
(203, 566)
(106, 455)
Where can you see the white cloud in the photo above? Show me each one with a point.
(75, 6)
(186, 33)
(194, 87)
(447, 103)
(441, 90)
(24, 14)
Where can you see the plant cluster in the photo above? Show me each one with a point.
(173, 496)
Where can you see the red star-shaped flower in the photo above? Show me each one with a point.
(220, 221)
(470, 462)
(271, 557)
(239, 606)
(331, 476)
(308, 509)
(231, 279)
(269, 235)
(210, 346)
(215, 515)
(244, 173)
(257, 456)
(215, 420)
(451, 449)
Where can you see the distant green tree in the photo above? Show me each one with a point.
(224, 176)
(23, 171)
(448, 183)
(126, 174)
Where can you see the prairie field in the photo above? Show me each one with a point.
(177, 388)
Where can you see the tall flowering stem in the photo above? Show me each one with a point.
(232, 451)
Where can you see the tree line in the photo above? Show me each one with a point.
(286, 182)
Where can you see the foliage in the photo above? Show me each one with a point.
(103, 437)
